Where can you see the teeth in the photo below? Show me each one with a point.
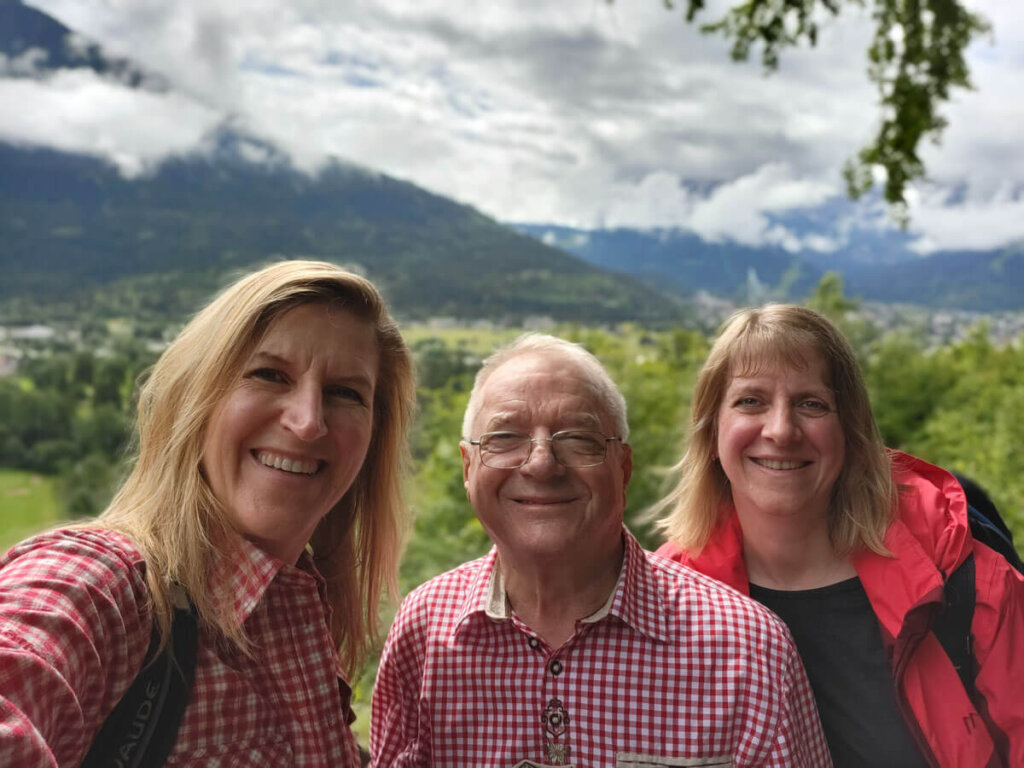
(287, 465)
(780, 464)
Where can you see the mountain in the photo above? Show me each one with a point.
(875, 267)
(71, 224)
(33, 42)
(682, 263)
(984, 281)
(75, 235)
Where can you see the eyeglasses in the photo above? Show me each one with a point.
(571, 448)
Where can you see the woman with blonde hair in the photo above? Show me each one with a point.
(786, 493)
(266, 495)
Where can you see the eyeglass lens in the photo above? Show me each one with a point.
(508, 450)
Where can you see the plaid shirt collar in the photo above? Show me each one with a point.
(249, 572)
(636, 599)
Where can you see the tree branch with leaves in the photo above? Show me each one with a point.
(915, 59)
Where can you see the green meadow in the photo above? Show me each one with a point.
(28, 504)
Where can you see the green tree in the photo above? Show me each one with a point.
(907, 386)
(977, 427)
(829, 299)
(446, 532)
(915, 59)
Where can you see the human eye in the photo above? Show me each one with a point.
(814, 406)
(341, 392)
(272, 375)
(581, 443)
(747, 402)
(501, 442)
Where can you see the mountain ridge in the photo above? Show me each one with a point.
(681, 263)
(72, 222)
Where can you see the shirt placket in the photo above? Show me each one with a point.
(311, 686)
(554, 716)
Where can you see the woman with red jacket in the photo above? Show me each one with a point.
(787, 494)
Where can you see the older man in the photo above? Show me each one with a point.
(568, 644)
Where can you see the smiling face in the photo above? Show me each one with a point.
(286, 442)
(780, 441)
(542, 509)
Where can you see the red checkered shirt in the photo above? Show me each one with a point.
(674, 667)
(75, 624)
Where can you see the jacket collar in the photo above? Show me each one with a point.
(928, 539)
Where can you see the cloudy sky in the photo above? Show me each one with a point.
(582, 112)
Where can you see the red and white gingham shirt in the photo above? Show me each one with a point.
(675, 665)
(75, 625)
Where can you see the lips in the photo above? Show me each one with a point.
(541, 501)
(781, 464)
(286, 464)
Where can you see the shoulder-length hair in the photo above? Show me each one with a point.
(751, 341)
(167, 507)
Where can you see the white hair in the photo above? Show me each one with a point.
(545, 344)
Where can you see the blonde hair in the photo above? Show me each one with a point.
(752, 340)
(167, 507)
(545, 344)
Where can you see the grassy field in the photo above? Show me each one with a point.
(28, 504)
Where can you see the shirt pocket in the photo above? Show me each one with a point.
(631, 760)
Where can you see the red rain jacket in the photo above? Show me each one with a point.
(929, 538)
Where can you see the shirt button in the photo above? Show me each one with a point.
(556, 667)
(534, 643)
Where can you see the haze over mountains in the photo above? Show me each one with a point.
(72, 224)
(681, 263)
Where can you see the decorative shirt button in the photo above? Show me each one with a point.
(534, 643)
(556, 667)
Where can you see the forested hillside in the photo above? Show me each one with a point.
(64, 420)
(67, 414)
(73, 227)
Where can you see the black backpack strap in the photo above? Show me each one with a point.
(143, 728)
(992, 532)
(952, 626)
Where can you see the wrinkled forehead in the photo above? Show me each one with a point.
(536, 389)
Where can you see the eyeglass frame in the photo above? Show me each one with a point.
(550, 441)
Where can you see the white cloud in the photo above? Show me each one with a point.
(29, 63)
(736, 211)
(580, 112)
(970, 225)
(78, 111)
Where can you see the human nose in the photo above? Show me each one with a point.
(541, 462)
(781, 425)
(303, 414)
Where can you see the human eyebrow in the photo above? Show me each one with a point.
(501, 422)
(749, 388)
(260, 357)
(582, 422)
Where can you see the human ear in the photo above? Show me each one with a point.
(464, 450)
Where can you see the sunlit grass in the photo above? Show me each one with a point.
(28, 504)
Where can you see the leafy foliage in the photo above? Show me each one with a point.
(915, 59)
(69, 415)
(959, 405)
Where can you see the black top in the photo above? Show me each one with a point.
(840, 643)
